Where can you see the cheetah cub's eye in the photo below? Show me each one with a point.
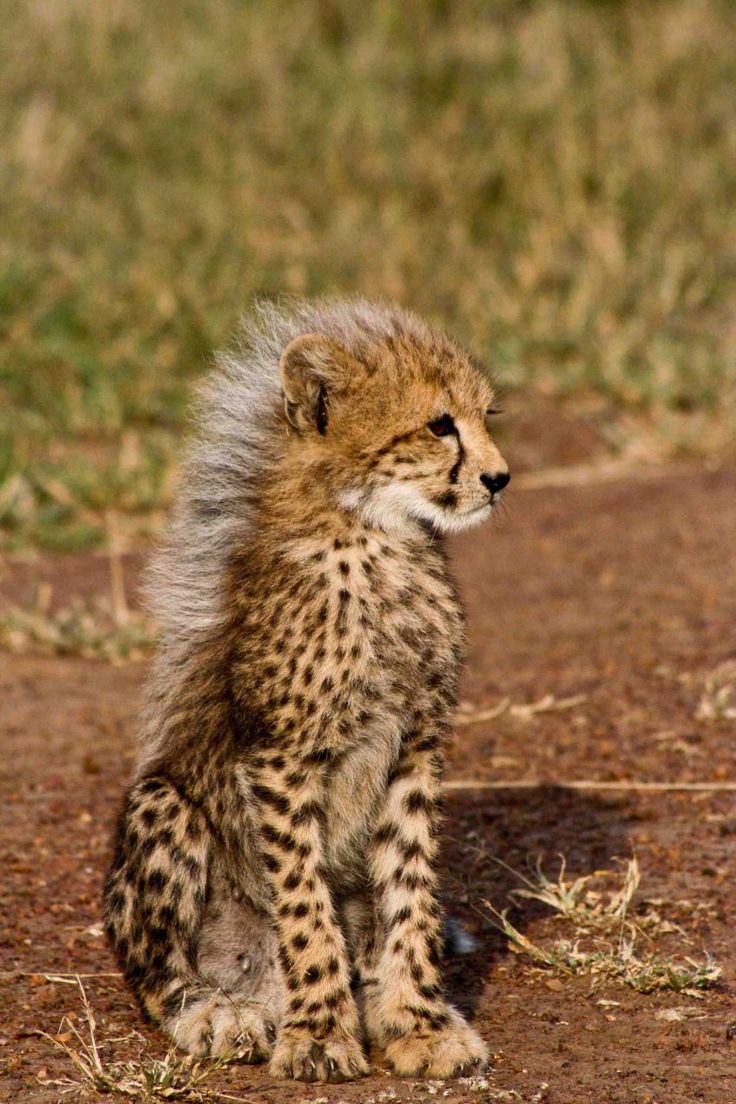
(442, 426)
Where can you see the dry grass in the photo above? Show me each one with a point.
(607, 934)
(173, 1077)
(554, 180)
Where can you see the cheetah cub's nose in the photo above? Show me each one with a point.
(495, 481)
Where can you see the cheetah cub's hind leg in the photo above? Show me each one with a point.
(243, 1005)
(201, 963)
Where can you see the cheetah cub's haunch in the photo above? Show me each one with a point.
(281, 831)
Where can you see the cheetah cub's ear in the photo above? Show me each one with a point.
(313, 370)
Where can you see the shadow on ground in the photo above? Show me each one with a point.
(492, 837)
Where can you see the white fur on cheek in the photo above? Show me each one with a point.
(397, 505)
(349, 500)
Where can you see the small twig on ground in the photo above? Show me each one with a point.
(48, 975)
(582, 475)
(484, 715)
(591, 784)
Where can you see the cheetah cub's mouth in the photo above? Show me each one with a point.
(396, 427)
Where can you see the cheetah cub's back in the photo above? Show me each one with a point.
(280, 835)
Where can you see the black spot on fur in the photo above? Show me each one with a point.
(416, 801)
(148, 846)
(411, 851)
(277, 801)
(400, 917)
(157, 880)
(293, 880)
(310, 810)
(447, 501)
(319, 755)
(386, 833)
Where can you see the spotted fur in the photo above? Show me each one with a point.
(274, 883)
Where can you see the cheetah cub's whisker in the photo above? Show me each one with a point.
(280, 834)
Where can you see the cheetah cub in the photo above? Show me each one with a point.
(273, 891)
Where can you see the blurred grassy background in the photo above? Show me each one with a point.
(555, 181)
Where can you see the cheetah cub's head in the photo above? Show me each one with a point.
(396, 429)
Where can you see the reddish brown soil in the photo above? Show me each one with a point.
(624, 593)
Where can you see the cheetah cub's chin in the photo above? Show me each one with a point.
(280, 835)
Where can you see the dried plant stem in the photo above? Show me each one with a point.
(602, 471)
(592, 784)
(50, 975)
(120, 607)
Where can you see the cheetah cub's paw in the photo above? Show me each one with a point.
(303, 1058)
(216, 1027)
(452, 1051)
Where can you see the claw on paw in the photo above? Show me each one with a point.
(216, 1028)
(454, 1051)
(306, 1059)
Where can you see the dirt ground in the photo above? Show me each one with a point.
(621, 594)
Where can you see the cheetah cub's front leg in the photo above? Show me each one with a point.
(406, 1013)
(318, 1037)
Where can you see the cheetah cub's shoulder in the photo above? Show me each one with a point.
(280, 834)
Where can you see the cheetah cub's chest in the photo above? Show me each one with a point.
(383, 655)
(381, 633)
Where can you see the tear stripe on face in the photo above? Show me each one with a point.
(455, 469)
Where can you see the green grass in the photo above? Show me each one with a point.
(554, 181)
